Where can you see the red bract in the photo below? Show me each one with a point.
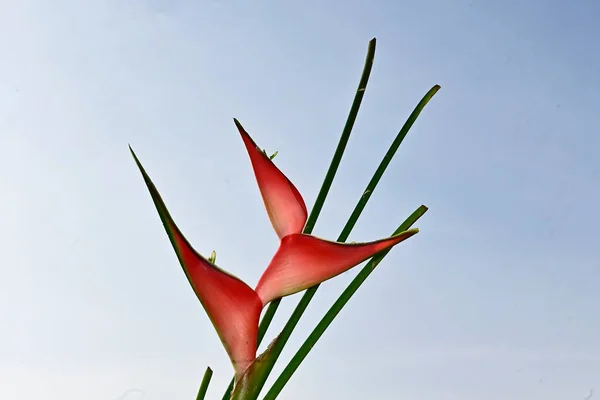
(283, 202)
(300, 262)
(303, 261)
(232, 306)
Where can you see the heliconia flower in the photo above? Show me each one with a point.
(302, 260)
(232, 306)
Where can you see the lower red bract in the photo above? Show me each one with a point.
(232, 306)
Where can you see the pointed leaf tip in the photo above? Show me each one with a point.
(284, 204)
(232, 306)
(237, 123)
(303, 261)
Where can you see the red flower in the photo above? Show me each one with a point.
(300, 262)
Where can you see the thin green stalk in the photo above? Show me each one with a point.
(334, 310)
(204, 385)
(339, 151)
(325, 187)
(309, 293)
(386, 161)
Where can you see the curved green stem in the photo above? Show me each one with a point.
(334, 310)
(360, 206)
(341, 147)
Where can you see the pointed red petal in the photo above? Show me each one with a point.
(232, 306)
(303, 261)
(283, 202)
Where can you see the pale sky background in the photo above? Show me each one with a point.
(497, 298)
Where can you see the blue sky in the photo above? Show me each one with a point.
(496, 298)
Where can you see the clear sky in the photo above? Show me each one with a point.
(497, 298)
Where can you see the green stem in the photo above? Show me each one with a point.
(386, 162)
(309, 293)
(204, 385)
(334, 310)
(339, 151)
(324, 191)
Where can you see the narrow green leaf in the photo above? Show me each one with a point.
(385, 162)
(341, 147)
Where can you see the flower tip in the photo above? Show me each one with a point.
(284, 204)
(149, 183)
(245, 135)
(402, 236)
(248, 141)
